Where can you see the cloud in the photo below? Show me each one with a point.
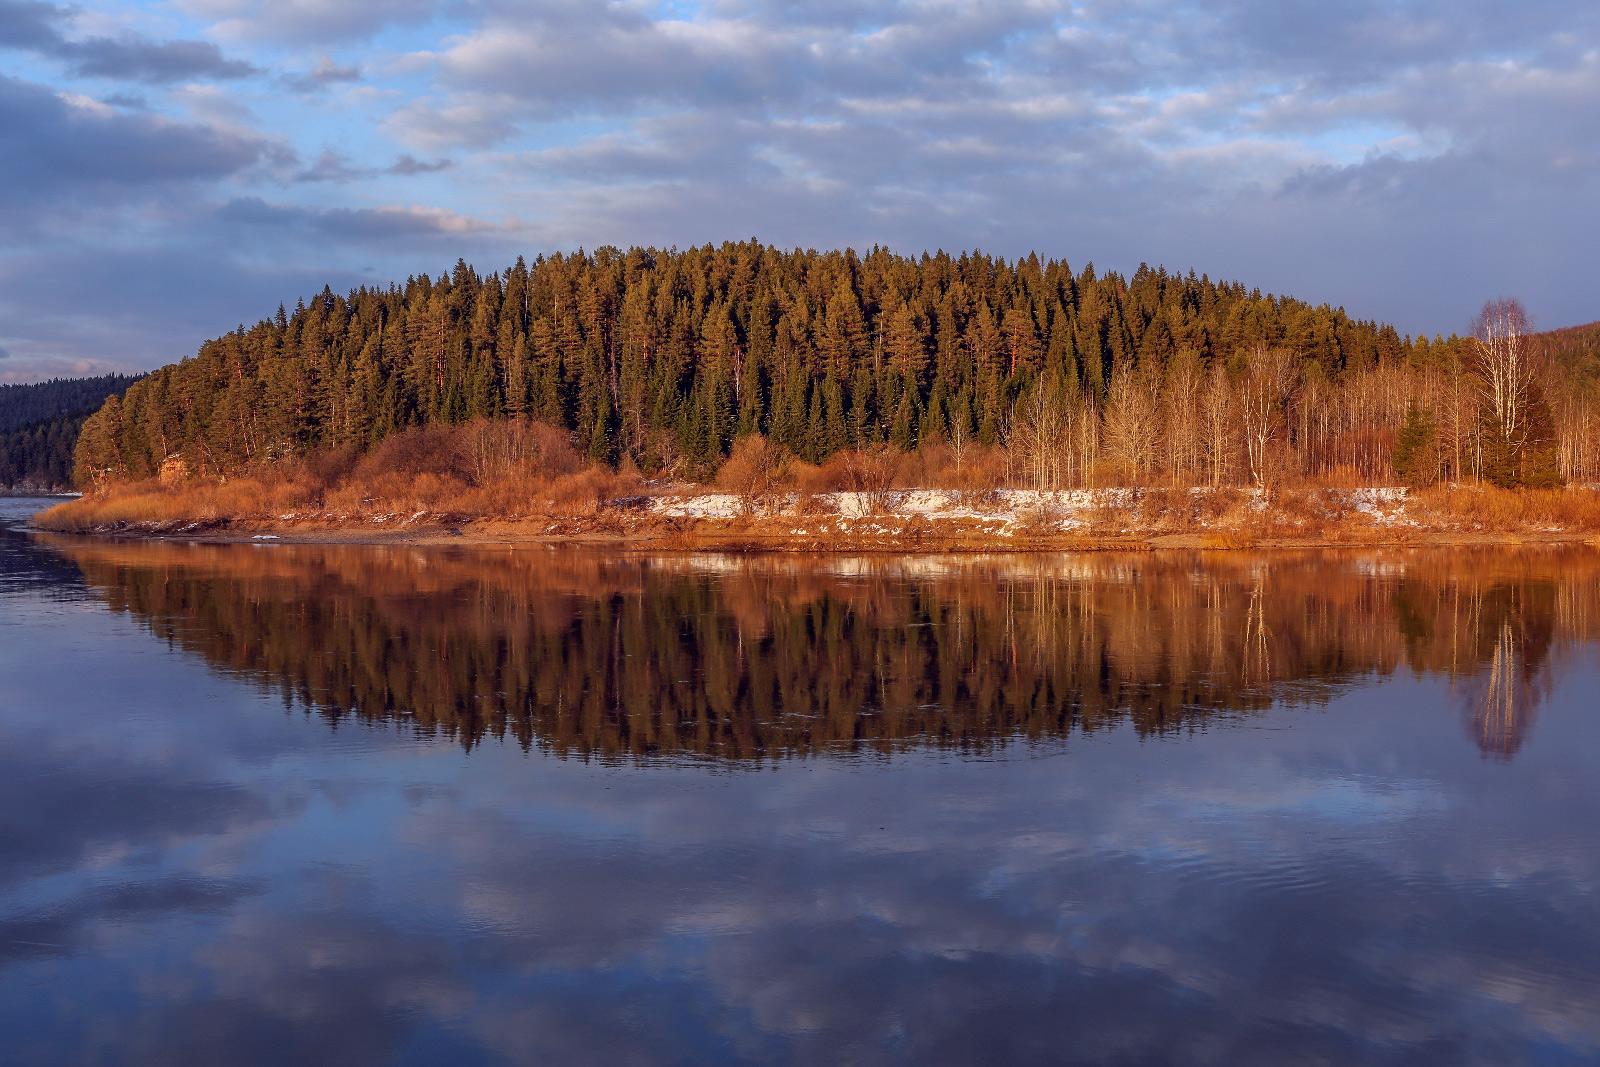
(24, 371)
(45, 828)
(465, 121)
(407, 164)
(137, 324)
(308, 21)
(31, 25)
(334, 167)
(152, 61)
(52, 143)
(588, 56)
(70, 926)
(156, 300)
(1400, 158)
(4, 354)
(399, 223)
(324, 74)
(383, 224)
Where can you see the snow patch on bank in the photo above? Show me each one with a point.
(1064, 509)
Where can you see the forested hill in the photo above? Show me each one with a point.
(1575, 349)
(672, 355)
(39, 427)
(23, 405)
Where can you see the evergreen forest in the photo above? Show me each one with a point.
(662, 360)
(39, 427)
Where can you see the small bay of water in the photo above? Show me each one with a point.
(385, 805)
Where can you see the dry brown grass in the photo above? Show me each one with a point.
(1487, 508)
(151, 502)
(389, 497)
(1228, 540)
(879, 468)
(506, 469)
(514, 469)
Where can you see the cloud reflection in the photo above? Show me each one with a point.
(1341, 880)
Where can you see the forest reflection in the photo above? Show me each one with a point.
(747, 658)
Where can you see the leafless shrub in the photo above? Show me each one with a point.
(750, 470)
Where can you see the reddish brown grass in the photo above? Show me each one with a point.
(514, 469)
(1485, 507)
(505, 469)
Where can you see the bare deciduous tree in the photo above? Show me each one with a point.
(960, 442)
(1504, 363)
(1265, 392)
(493, 448)
(1180, 415)
(749, 470)
(1038, 436)
(1216, 421)
(1130, 423)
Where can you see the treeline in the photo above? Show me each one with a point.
(1573, 349)
(595, 655)
(25, 405)
(39, 426)
(662, 360)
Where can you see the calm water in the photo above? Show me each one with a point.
(388, 806)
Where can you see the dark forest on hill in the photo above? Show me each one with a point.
(663, 359)
(39, 427)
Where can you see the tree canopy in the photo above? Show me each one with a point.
(39, 426)
(659, 355)
(663, 359)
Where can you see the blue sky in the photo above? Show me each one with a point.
(169, 170)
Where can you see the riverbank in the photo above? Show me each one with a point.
(914, 520)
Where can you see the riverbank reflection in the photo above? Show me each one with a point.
(758, 657)
(377, 806)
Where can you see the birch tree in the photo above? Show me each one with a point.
(1504, 362)
(1264, 394)
(1216, 421)
(1038, 436)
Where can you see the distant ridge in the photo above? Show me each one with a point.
(1574, 348)
(39, 427)
(24, 405)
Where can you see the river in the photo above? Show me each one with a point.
(383, 805)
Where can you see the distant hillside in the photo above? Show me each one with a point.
(27, 405)
(39, 427)
(1576, 349)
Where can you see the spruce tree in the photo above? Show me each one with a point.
(1416, 451)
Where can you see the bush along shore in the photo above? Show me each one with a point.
(516, 480)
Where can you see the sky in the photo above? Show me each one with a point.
(171, 170)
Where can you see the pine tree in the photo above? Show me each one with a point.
(1416, 452)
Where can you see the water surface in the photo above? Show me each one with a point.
(271, 804)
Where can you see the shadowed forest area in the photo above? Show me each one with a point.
(39, 426)
(764, 657)
(661, 364)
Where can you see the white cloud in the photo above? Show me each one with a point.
(466, 120)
